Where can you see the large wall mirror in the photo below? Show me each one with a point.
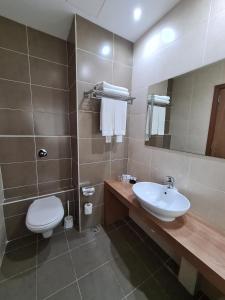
(187, 113)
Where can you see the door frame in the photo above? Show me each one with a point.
(212, 122)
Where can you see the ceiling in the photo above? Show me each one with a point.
(55, 16)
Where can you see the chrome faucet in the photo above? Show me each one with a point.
(170, 182)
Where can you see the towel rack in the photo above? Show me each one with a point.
(98, 94)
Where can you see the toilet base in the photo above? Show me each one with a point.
(47, 234)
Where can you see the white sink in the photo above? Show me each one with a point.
(164, 203)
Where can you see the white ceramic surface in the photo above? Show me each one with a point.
(165, 204)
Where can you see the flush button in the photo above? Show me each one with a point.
(42, 153)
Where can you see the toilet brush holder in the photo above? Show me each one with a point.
(68, 220)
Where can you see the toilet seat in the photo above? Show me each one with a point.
(44, 212)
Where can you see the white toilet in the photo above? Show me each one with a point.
(44, 215)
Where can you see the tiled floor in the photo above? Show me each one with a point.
(119, 262)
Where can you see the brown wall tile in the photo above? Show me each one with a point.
(122, 75)
(93, 150)
(46, 46)
(94, 173)
(16, 208)
(55, 186)
(57, 147)
(48, 74)
(119, 150)
(91, 68)
(16, 149)
(123, 50)
(118, 167)
(18, 174)
(15, 95)
(52, 170)
(19, 193)
(86, 104)
(89, 125)
(51, 124)
(94, 219)
(14, 66)
(50, 100)
(16, 227)
(12, 35)
(93, 38)
(16, 122)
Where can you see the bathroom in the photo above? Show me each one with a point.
(74, 219)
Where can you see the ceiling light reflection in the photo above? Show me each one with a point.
(168, 35)
(137, 13)
(106, 50)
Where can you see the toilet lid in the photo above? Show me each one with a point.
(44, 211)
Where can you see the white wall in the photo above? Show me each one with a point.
(197, 28)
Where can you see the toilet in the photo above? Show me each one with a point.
(44, 215)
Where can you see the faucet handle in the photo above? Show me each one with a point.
(170, 179)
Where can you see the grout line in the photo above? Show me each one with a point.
(59, 290)
(33, 123)
(36, 267)
(36, 136)
(95, 269)
(103, 161)
(47, 60)
(136, 288)
(17, 274)
(36, 160)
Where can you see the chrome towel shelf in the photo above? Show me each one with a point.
(98, 94)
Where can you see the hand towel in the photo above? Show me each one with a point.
(163, 100)
(107, 118)
(161, 120)
(102, 85)
(155, 120)
(120, 119)
(116, 92)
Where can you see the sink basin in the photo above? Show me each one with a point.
(165, 204)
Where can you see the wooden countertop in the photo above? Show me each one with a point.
(191, 237)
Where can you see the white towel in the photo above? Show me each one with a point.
(120, 119)
(102, 85)
(116, 92)
(107, 118)
(155, 120)
(161, 120)
(163, 100)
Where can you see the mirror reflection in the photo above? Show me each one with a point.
(187, 113)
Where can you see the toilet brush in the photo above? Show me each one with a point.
(68, 220)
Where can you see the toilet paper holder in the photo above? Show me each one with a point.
(88, 191)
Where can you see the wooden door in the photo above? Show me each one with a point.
(216, 136)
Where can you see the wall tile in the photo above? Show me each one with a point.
(123, 50)
(94, 219)
(15, 95)
(14, 66)
(18, 174)
(48, 74)
(94, 173)
(73, 98)
(93, 69)
(89, 125)
(73, 123)
(141, 170)
(96, 199)
(12, 35)
(86, 104)
(51, 124)
(119, 150)
(19, 193)
(93, 38)
(122, 75)
(93, 150)
(16, 227)
(57, 147)
(118, 167)
(54, 186)
(16, 149)
(16, 208)
(50, 100)
(16, 122)
(52, 170)
(46, 46)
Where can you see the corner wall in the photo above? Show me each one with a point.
(97, 160)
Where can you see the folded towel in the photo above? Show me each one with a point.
(102, 85)
(163, 100)
(120, 119)
(116, 92)
(161, 120)
(107, 118)
(155, 120)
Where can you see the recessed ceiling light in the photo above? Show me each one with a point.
(106, 50)
(137, 13)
